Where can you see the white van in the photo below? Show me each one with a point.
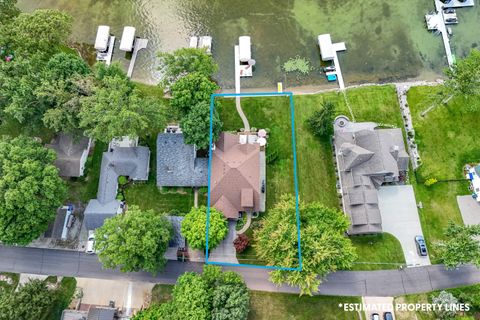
(90, 242)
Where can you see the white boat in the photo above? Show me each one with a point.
(128, 39)
(245, 60)
(473, 174)
(104, 44)
(205, 42)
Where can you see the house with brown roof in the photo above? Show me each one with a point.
(237, 182)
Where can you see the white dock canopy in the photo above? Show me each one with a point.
(128, 37)
(103, 34)
(326, 48)
(245, 48)
(205, 42)
(193, 42)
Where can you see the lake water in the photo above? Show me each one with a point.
(386, 40)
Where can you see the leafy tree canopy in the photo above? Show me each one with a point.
(464, 75)
(196, 126)
(43, 31)
(28, 302)
(324, 245)
(8, 11)
(116, 109)
(30, 189)
(194, 228)
(213, 295)
(321, 121)
(184, 61)
(134, 241)
(190, 90)
(461, 246)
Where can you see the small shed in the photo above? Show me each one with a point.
(326, 47)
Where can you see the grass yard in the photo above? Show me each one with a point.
(378, 252)
(468, 294)
(282, 306)
(446, 141)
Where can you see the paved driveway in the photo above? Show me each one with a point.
(225, 252)
(378, 305)
(470, 209)
(400, 218)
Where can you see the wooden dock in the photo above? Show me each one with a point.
(139, 45)
(246, 125)
(442, 28)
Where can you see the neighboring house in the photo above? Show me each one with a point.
(72, 154)
(238, 175)
(367, 157)
(93, 313)
(132, 162)
(178, 164)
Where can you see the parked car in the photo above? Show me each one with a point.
(375, 316)
(421, 246)
(91, 242)
(387, 316)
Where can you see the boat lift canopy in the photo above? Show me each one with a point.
(326, 48)
(103, 34)
(245, 48)
(128, 37)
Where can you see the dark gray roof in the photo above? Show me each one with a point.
(367, 157)
(101, 313)
(178, 240)
(122, 161)
(177, 164)
(69, 152)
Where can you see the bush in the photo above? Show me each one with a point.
(241, 243)
(321, 122)
(430, 182)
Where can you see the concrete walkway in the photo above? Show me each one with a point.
(246, 124)
(385, 283)
(247, 224)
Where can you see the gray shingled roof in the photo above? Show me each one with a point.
(132, 162)
(177, 164)
(69, 152)
(101, 313)
(367, 157)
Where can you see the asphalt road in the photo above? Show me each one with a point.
(342, 283)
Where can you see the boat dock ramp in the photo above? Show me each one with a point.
(329, 52)
(105, 45)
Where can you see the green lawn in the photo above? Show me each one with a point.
(446, 141)
(466, 294)
(378, 252)
(282, 306)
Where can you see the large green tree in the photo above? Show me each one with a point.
(325, 248)
(183, 61)
(190, 90)
(43, 32)
(30, 189)
(461, 245)
(134, 241)
(64, 82)
(194, 228)
(8, 11)
(464, 76)
(212, 295)
(30, 301)
(117, 109)
(196, 126)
